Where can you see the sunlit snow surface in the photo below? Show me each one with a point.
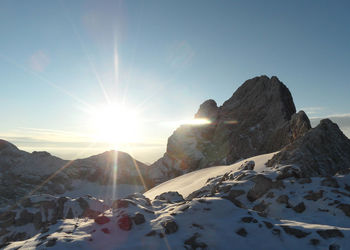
(190, 182)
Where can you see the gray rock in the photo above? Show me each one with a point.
(236, 202)
(139, 218)
(170, 226)
(295, 232)
(268, 224)
(299, 208)
(70, 214)
(261, 207)
(322, 151)
(314, 196)
(51, 242)
(334, 246)
(330, 233)
(345, 208)
(283, 199)
(242, 232)
(247, 165)
(170, 197)
(262, 185)
(314, 241)
(249, 219)
(193, 242)
(234, 193)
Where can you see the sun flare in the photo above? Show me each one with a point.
(115, 124)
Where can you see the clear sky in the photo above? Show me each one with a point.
(63, 61)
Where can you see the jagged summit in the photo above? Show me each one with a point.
(260, 117)
(262, 91)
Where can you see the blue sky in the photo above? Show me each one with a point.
(162, 58)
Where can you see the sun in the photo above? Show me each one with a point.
(115, 124)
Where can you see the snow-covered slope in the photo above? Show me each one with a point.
(243, 206)
(188, 183)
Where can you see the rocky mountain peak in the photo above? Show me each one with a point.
(322, 151)
(208, 109)
(265, 94)
(259, 118)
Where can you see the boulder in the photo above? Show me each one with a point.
(242, 232)
(125, 223)
(172, 197)
(170, 226)
(101, 220)
(345, 208)
(247, 165)
(283, 199)
(262, 185)
(299, 208)
(193, 242)
(139, 218)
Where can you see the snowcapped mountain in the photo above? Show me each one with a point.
(291, 191)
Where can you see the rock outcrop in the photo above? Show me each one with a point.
(322, 151)
(259, 118)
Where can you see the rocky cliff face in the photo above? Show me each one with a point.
(23, 173)
(322, 151)
(259, 118)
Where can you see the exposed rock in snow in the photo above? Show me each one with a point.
(259, 118)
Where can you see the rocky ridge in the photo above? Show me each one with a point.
(40, 172)
(322, 151)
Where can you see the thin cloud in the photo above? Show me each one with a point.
(39, 61)
(313, 110)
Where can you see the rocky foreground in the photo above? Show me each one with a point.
(246, 206)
